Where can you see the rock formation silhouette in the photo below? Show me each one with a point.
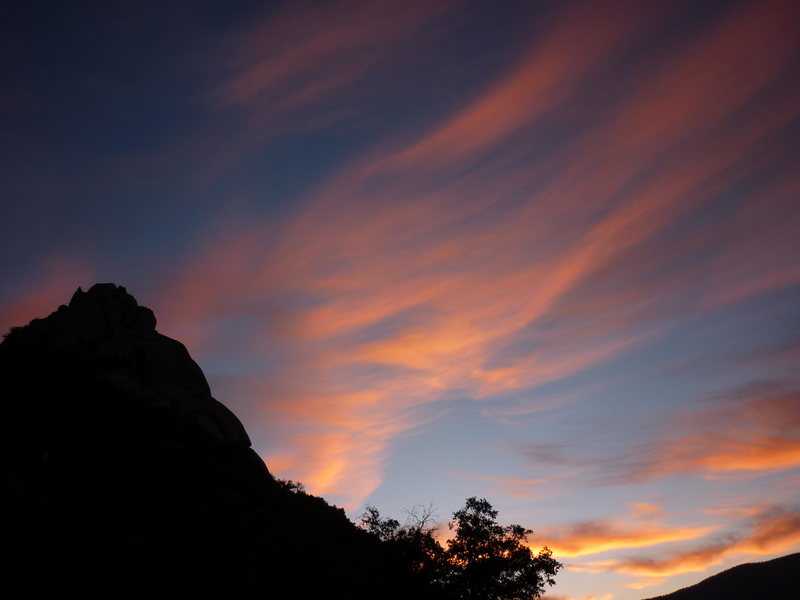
(122, 477)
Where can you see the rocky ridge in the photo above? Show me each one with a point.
(122, 477)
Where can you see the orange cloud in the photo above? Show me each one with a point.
(596, 536)
(770, 534)
(645, 583)
(578, 40)
(759, 433)
(456, 264)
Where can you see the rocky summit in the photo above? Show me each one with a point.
(122, 477)
(105, 337)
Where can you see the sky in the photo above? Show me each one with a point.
(544, 253)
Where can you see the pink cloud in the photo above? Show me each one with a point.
(443, 285)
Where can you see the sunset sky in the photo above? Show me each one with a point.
(547, 253)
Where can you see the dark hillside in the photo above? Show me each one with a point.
(122, 477)
(775, 578)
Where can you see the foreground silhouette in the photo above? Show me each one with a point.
(122, 477)
(482, 560)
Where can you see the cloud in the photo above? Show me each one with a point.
(771, 533)
(593, 537)
(645, 583)
(305, 66)
(755, 430)
(763, 259)
(782, 354)
(552, 70)
(745, 432)
(487, 256)
(303, 52)
(641, 509)
(513, 487)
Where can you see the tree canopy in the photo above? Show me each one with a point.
(483, 561)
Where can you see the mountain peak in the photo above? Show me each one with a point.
(116, 303)
(122, 477)
(106, 338)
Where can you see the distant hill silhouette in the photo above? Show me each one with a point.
(777, 578)
(122, 477)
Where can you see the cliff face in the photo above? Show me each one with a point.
(122, 477)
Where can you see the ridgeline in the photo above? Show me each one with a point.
(122, 477)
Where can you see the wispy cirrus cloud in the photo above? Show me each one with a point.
(508, 486)
(302, 67)
(301, 53)
(371, 221)
(755, 431)
(417, 274)
(552, 72)
(747, 432)
(764, 258)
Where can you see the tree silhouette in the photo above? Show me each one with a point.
(487, 560)
(484, 561)
(413, 545)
